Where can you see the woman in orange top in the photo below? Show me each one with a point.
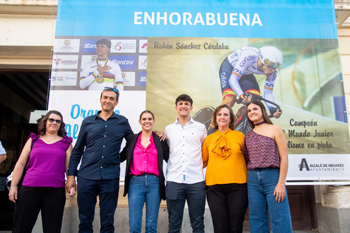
(226, 175)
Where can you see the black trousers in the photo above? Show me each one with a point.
(176, 196)
(88, 190)
(50, 201)
(228, 204)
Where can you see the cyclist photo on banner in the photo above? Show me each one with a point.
(238, 83)
(101, 73)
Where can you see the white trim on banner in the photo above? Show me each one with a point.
(319, 167)
(318, 183)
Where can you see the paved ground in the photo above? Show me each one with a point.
(310, 231)
(307, 231)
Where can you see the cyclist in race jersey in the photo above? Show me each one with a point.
(237, 75)
(102, 72)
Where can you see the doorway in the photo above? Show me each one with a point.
(21, 93)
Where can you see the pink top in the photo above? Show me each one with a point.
(260, 151)
(46, 166)
(145, 160)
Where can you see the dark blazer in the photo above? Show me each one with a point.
(127, 154)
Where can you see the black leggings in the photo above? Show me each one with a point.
(50, 201)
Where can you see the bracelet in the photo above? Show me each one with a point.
(14, 187)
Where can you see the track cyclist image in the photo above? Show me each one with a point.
(238, 83)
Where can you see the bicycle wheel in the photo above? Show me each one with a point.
(204, 116)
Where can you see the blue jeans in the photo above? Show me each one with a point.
(144, 188)
(261, 186)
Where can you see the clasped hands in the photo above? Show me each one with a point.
(71, 186)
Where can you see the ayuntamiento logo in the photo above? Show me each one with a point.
(321, 166)
(303, 164)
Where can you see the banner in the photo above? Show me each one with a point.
(183, 47)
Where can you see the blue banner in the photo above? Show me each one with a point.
(198, 18)
(159, 49)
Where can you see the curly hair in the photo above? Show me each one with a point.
(42, 124)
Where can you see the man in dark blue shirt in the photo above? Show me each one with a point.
(98, 145)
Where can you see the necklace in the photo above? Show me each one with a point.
(49, 140)
(260, 123)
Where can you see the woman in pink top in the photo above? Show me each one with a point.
(144, 179)
(266, 155)
(46, 157)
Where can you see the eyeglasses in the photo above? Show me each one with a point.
(51, 120)
(271, 65)
(111, 89)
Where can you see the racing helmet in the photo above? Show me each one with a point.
(270, 56)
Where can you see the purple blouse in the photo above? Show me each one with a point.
(46, 166)
(260, 151)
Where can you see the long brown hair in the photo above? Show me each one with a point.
(217, 110)
(263, 110)
(42, 124)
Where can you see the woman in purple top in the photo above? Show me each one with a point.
(266, 155)
(144, 179)
(43, 187)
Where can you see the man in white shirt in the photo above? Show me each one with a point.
(102, 72)
(184, 175)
